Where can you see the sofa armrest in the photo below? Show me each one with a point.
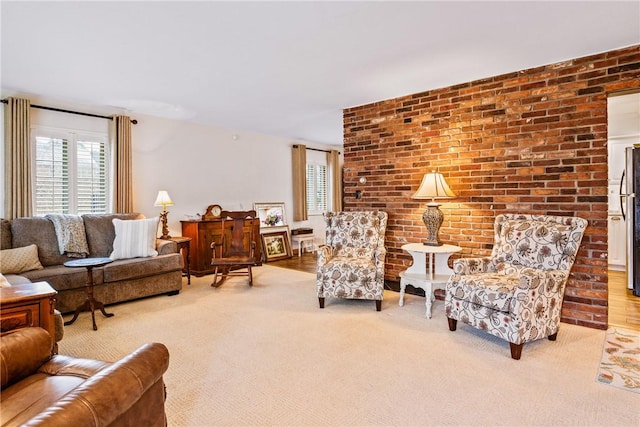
(471, 265)
(166, 247)
(22, 352)
(112, 392)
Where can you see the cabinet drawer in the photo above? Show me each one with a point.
(19, 317)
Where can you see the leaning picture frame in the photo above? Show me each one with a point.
(276, 245)
(271, 214)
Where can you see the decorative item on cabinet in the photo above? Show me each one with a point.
(212, 212)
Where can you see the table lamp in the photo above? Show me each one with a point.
(433, 187)
(164, 200)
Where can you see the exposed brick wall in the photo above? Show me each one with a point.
(532, 141)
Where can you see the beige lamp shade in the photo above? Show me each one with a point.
(163, 199)
(433, 186)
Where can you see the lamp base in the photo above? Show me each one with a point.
(165, 228)
(432, 219)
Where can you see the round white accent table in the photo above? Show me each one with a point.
(431, 276)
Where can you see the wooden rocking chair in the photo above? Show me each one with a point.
(237, 248)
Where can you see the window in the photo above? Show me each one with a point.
(71, 172)
(316, 188)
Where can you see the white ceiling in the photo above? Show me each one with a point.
(286, 68)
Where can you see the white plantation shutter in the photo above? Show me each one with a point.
(316, 188)
(91, 177)
(71, 172)
(52, 175)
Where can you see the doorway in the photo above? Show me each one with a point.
(623, 113)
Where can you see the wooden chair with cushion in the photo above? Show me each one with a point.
(237, 250)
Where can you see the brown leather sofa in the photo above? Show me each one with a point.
(39, 389)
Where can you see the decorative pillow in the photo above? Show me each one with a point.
(4, 283)
(134, 238)
(19, 260)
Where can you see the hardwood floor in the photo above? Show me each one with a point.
(307, 262)
(624, 307)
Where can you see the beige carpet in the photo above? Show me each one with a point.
(268, 355)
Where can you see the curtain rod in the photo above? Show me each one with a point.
(60, 110)
(314, 149)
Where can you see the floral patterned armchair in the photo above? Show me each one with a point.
(516, 293)
(351, 264)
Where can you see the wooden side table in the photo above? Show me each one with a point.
(184, 243)
(431, 276)
(90, 304)
(28, 305)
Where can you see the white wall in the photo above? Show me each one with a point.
(202, 165)
(198, 165)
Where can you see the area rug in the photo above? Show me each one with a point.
(620, 365)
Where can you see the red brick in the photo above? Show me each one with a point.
(553, 117)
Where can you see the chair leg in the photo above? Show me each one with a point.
(378, 305)
(215, 278)
(321, 301)
(516, 350)
(553, 337)
(217, 282)
(452, 324)
(250, 276)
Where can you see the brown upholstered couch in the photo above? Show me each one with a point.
(43, 390)
(122, 280)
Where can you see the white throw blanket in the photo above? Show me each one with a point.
(70, 232)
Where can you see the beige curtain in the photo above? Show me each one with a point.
(335, 180)
(299, 182)
(18, 189)
(122, 165)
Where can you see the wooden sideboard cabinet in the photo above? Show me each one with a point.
(204, 232)
(28, 305)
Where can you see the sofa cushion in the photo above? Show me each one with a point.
(101, 232)
(40, 232)
(135, 238)
(63, 278)
(492, 290)
(133, 268)
(19, 260)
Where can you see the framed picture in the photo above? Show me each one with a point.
(276, 246)
(271, 214)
